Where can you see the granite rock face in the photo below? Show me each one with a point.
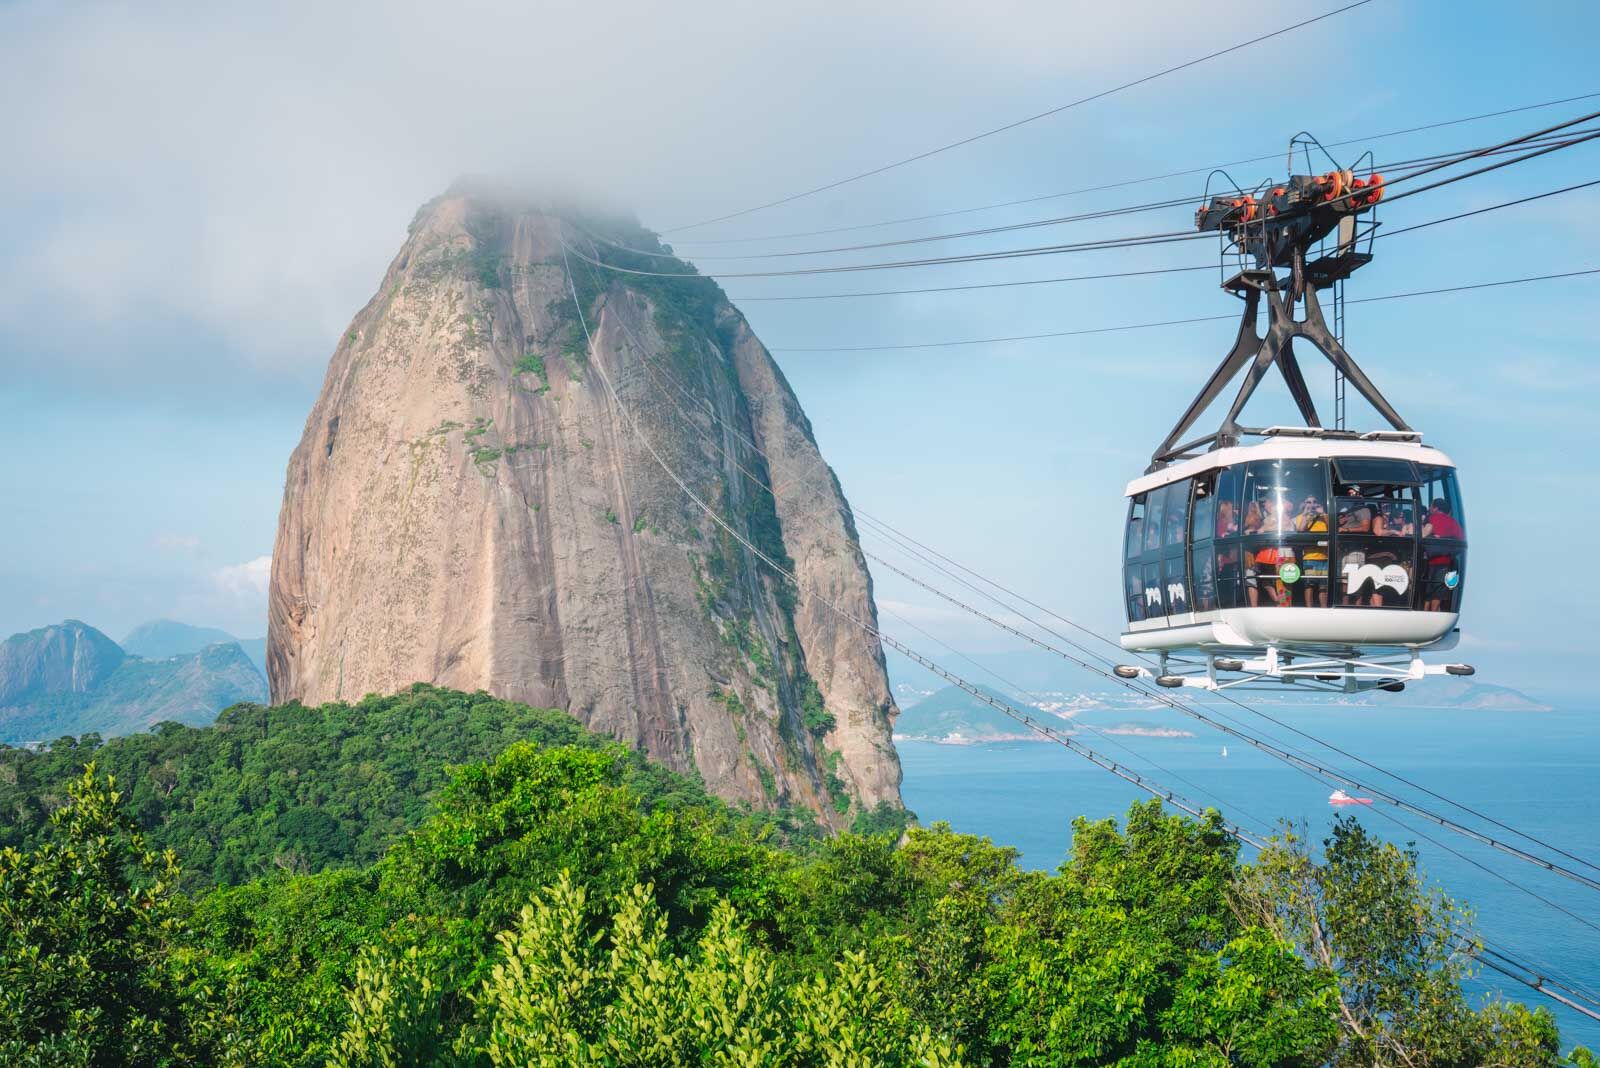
(69, 657)
(470, 507)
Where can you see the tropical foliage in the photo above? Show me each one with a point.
(564, 904)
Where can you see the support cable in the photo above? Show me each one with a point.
(1426, 164)
(1273, 155)
(1581, 272)
(1097, 245)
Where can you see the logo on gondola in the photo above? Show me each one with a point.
(1394, 577)
(1452, 579)
(1289, 573)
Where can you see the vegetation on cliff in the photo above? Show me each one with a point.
(567, 904)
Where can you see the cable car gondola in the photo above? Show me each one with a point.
(1310, 555)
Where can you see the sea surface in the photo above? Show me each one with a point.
(1536, 771)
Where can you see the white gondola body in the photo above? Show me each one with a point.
(1326, 591)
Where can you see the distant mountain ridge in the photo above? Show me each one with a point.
(70, 679)
(161, 638)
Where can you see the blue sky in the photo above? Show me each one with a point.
(201, 201)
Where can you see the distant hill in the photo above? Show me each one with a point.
(953, 715)
(161, 638)
(66, 658)
(1459, 693)
(70, 679)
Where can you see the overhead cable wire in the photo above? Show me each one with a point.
(1500, 962)
(1274, 155)
(1206, 267)
(1023, 121)
(1097, 245)
(1425, 164)
(980, 285)
(1577, 139)
(1492, 207)
(1100, 245)
(1031, 224)
(1182, 322)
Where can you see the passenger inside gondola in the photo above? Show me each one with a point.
(1313, 519)
(1227, 523)
(1440, 523)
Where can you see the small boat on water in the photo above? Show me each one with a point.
(1339, 797)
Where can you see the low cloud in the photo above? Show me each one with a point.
(211, 192)
(246, 581)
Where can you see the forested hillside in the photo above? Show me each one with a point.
(567, 904)
(293, 787)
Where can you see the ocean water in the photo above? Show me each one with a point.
(1536, 771)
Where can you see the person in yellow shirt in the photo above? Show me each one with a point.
(1313, 519)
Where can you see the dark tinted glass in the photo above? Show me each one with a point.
(1175, 517)
(1362, 469)
(1175, 583)
(1444, 572)
(1134, 543)
(1228, 576)
(1441, 504)
(1205, 579)
(1202, 513)
(1228, 486)
(1155, 508)
(1153, 604)
(1284, 496)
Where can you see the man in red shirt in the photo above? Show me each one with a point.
(1441, 524)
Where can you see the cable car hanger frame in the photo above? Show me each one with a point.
(1263, 230)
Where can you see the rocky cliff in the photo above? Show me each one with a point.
(469, 507)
